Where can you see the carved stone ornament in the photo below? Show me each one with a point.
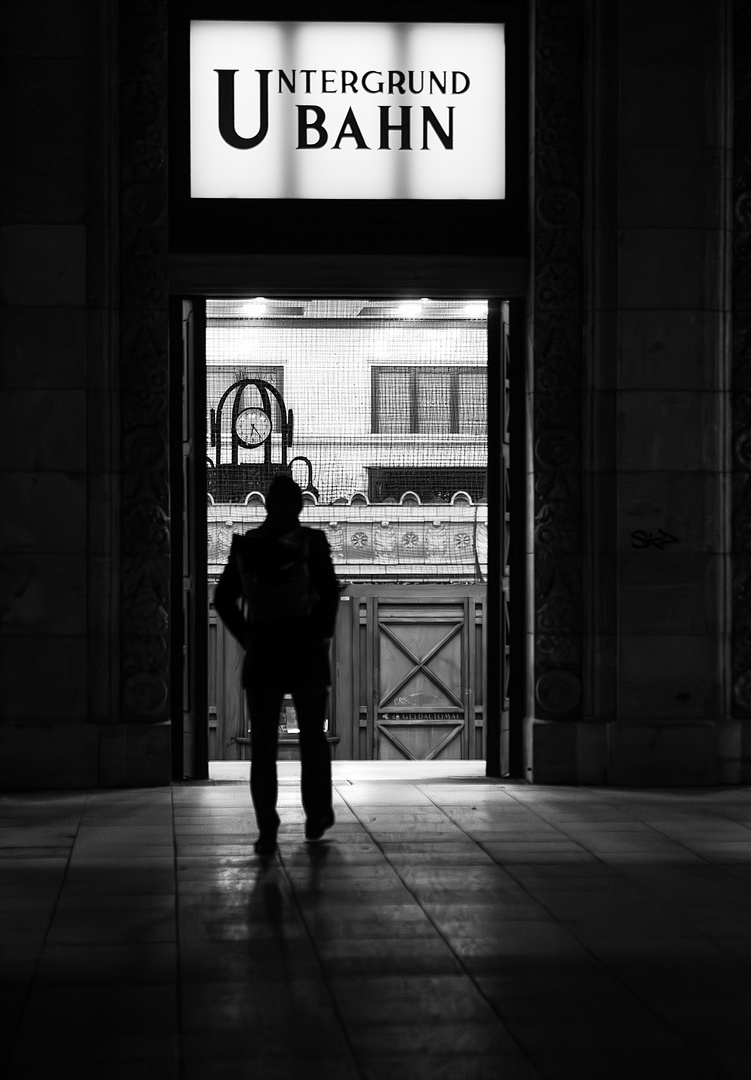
(557, 357)
(558, 692)
(741, 373)
(145, 533)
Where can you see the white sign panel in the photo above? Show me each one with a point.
(347, 110)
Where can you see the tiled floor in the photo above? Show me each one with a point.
(451, 927)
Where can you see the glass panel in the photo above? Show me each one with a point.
(471, 388)
(433, 401)
(392, 401)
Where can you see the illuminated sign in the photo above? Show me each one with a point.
(347, 110)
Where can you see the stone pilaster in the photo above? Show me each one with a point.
(144, 389)
(555, 400)
(741, 387)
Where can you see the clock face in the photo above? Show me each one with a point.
(252, 427)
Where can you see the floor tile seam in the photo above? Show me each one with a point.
(356, 1059)
(181, 1058)
(658, 835)
(672, 910)
(709, 821)
(33, 981)
(664, 907)
(556, 828)
(460, 962)
(695, 854)
(641, 1001)
(442, 810)
(460, 825)
(620, 873)
(600, 858)
(531, 808)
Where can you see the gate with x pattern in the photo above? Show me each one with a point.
(414, 671)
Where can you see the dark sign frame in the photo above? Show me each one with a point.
(353, 226)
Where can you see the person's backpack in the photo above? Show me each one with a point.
(275, 577)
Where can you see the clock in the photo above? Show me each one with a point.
(252, 427)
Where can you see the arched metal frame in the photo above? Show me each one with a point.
(263, 387)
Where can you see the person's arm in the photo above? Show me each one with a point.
(228, 597)
(325, 584)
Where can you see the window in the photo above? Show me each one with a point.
(429, 400)
(430, 484)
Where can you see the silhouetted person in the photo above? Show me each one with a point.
(278, 595)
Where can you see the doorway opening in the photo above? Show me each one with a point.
(392, 416)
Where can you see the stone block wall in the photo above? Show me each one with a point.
(629, 431)
(59, 451)
(655, 426)
(670, 304)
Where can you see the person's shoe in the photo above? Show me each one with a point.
(317, 826)
(265, 844)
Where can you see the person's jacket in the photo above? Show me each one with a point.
(290, 651)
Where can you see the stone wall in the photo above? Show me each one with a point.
(670, 306)
(631, 604)
(655, 614)
(59, 445)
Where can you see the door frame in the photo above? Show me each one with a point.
(189, 603)
(199, 278)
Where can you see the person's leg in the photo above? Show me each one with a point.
(264, 703)
(315, 756)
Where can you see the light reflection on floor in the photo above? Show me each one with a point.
(452, 926)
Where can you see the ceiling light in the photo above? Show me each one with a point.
(476, 309)
(410, 309)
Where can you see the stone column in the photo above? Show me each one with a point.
(653, 606)
(736, 751)
(62, 722)
(144, 751)
(45, 406)
(669, 439)
(556, 336)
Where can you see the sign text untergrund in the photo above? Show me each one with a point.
(312, 130)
